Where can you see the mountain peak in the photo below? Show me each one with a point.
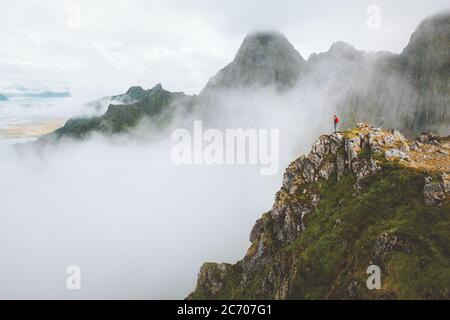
(158, 87)
(263, 59)
(430, 42)
(136, 92)
(342, 47)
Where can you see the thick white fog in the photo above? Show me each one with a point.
(138, 225)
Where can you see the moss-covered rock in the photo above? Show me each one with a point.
(325, 230)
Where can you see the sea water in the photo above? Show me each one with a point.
(24, 119)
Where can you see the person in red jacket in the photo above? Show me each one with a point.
(336, 122)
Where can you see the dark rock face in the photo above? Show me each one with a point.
(139, 93)
(312, 223)
(264, 59)
(409, 91)
(428, 49)
(437, 190)
(427, 62)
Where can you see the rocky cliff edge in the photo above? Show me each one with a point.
(361, 197)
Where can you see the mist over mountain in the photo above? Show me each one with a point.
(409, 91)
(264, 59)
(107, 196)
(3, 98)
(154, 104)
(427, 61)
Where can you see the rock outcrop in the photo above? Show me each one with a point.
(360, 197)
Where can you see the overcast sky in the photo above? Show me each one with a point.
(179, 43)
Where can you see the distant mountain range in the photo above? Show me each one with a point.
(408, 91)
(264, 59)
(154, 104)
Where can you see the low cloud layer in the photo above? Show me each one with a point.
(138, 225)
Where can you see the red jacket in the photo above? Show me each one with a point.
(336, 119)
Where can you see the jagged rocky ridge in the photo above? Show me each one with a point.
(155, 104)
(361, 197)
(408, 91)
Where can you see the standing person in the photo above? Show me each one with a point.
(336, 122)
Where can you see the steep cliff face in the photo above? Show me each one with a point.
(426, 61)
(361, 197)
(407, 91)
(428, 48)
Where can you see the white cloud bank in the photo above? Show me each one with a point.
(137, 225)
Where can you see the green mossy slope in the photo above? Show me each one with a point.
(341, 241)
(345, 235)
